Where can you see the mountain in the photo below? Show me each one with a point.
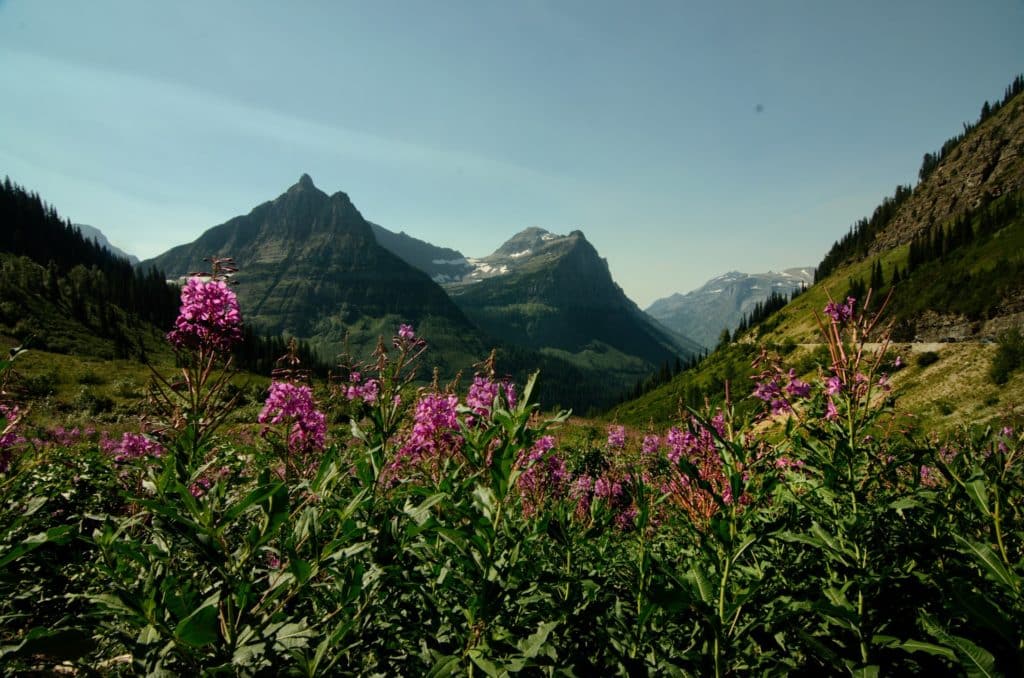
(555, 294)
(722, 302)
(65, 293)
(948, 253)
(442, 264)
(311, 267)
(93, 233)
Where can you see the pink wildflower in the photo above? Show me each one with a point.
(651, 445)
(134, 446)
(289, 402)
(840, 312)
(209, 317)
(796, 387)
(616, 437)
(481, 396)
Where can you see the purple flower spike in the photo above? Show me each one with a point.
(209, 317)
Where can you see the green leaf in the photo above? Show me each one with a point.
(446, 666)
(976, 661)
(201, 627)
(488, 667)
(57, 535)
(54, 644)
(901, 505)
(915, 646)
(700, 582)
(982, 611)
(977, 491)
(292, 635)
(989, 562)
(257, 496)
(421, 513)
(533, 644)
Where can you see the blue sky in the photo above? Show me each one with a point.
(685, 139)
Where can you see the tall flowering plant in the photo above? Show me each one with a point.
(208, 327)
(379, 394)
(304, 426)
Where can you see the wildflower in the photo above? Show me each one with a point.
(929, 476)
(771, 392)
(785, 462)
(434, 431)
(9, 437)
(200, 487)
(676, 441)
(133, 446)
(289, 402)
(947, 454)
(481, 396)
(544, 476)
(581, 491)
(833, 385)
(10, 415)
(796, 387)
(406, 332)
(627, 518)
(831, 413)
(840, 312)
(209, 317)
(607, 489)
(616, 437)
(651, 445)
(367, 392)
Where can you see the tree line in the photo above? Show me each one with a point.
(857, 241)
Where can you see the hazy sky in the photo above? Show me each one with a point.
(685, 139)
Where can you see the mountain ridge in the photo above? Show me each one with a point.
(310, 266)
(92, 233)
(723, 301)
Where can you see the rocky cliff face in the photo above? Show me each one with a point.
(989, 162)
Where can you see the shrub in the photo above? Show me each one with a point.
(91, 378)
(1009, 356)
(927, 358)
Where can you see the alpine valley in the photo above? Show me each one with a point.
(310, 266)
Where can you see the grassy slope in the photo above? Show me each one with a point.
(954, 391)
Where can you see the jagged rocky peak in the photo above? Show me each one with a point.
(530, 239)
(305, 182)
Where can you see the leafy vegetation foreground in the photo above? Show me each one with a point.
(380, 529)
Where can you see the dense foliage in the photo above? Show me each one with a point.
(449, 532)
(860, 236)
(56, 271)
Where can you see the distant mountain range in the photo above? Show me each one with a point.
(442, 264)
(93, 233)
(312, 267)
(722, 302)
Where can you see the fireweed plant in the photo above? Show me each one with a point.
(208, 326)
(400, 529)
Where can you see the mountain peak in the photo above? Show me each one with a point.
(305, 183)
